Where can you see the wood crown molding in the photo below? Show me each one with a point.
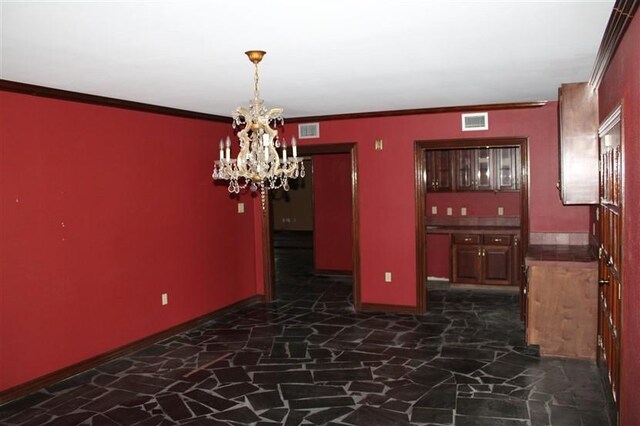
(621, 16)
(418, 111)
(66, 95)
(82, 366)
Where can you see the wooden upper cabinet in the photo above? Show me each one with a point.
(473, 169)
(439, 173)
(578, 137)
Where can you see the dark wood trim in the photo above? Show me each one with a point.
(344, 272)
(268, 258)
(421, 235)
(437, 110)
(44, 381)
(620, 18)
(267, 250)
(420, 178)
(388, 309)
(524, 227)
(66, 95)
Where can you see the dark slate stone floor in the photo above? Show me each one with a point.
(309, 359)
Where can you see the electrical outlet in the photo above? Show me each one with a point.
(500, 211)
(434, 209)
(449, 211)
(387, 277)
(240, 207)
(165, 299)
(463, 211)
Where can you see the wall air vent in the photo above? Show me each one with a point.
(476, 121)
(308, 130)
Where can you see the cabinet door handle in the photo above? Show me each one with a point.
(467, 239)
(497, 240)
(483, 252)
(603, 282)
(479, 252)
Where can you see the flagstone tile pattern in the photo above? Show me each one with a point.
(309, 359)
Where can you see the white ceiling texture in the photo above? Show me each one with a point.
(323, 57)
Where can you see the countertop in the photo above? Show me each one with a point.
(474, 229)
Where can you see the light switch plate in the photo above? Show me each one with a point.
(434, 209)
(500, 211)
(387, 277)
(165, 299)
(449, 211)
(240, 207)
(463, 211)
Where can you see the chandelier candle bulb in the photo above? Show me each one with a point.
(284, 152)
(294, 148)
(228, 149)
(221, 150)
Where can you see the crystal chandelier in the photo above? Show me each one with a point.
(258, 165)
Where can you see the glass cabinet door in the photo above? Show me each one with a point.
(443, 170)
(484, 172)
(465, 160)
(507, 169)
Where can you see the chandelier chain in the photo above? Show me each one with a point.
(256, 77)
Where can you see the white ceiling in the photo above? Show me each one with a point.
(324, 57)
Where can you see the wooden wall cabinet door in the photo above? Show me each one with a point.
(578, 137)
(439, 173)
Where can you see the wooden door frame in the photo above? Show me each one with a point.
(420, 147)
(350, 148)
(614, 117)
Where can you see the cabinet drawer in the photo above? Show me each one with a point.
(497, 240)
(467, 238)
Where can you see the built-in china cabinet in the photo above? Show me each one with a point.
(482, 250)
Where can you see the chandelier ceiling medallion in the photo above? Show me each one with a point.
(258, 165)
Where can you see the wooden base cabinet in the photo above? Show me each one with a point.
(482, 259)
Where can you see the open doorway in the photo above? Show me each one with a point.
(314, 226)
(472, 213)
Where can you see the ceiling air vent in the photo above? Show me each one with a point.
(308, 130)
(477, 121)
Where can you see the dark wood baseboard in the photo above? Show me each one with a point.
(332, 272)
(387, 309)
(82, 366)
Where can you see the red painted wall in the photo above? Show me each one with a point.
(478, 204)
(102, 211)
(621, 83)
(332, 234)
(386, 186)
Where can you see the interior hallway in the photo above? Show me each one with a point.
(309, 359)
